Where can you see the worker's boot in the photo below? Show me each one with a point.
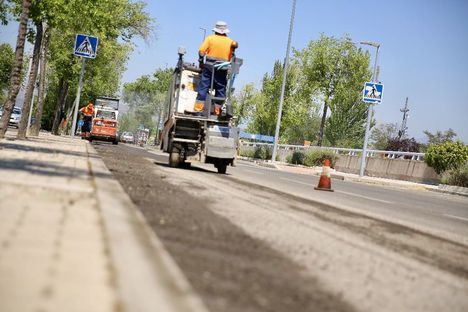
(198, 108)
(217, 110)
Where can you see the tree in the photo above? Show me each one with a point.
(440, 136)
(243, 103)
(446, 156)
(115, 22)
(403, 145)
(265, 107)
(40, 97)
(22, 127)
(7, 58)
(15, 77)
(334, 71)
(145, 97)
(3, 12)
(382, 134)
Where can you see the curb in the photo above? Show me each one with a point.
(450, 189)
(147, 278)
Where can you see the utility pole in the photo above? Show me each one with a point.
(369, 109)
(403, 128)
(283, 84)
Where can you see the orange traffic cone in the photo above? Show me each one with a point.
(325, 180)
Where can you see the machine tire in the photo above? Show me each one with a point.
(115, 142)
(174, 159)
(186, 165)
(222, 168)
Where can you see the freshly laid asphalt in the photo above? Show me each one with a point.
(259, 239)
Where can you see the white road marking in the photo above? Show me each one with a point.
(253, 171)
(365, 197)
(456, 217)
(245, 165)
(308, 184)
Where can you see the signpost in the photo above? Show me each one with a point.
(372, 92)
(85, 47)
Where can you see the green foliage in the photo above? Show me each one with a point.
(114, 22)
(7, 57)
(333, 71)
(382, 134)
(312, 158)
(244, 103)
(457, 177)
(263, 152)
(316, 158)
(299, 119)
(440, 136)
(446, 156)
(145, 98)
(247, 152)
(4, 12)
(297, 158)
(259, 152)
(328, 70)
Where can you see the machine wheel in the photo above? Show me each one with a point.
(222, 168)
(115, 142)
(174, 159)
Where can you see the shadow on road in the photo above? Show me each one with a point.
(46, 168)
(45, 150)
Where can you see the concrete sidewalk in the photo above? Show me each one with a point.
(71, 239)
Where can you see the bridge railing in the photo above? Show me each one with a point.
(340, 150)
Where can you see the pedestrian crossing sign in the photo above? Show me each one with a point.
(86, 46)
(373, 92)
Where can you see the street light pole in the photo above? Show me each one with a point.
(204, 32)
(369, 110)
(283, 84)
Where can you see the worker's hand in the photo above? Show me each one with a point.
(201, 61)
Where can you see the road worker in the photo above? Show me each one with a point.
(88, 113)
(216, 47)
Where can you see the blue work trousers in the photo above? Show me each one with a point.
(219, 83)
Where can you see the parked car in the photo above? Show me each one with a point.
(15, 117)
(127, 137)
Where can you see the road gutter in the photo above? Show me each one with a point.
(147, 278)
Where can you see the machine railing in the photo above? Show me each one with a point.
(340, 150)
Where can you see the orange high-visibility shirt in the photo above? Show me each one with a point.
(87, 111)
(218, 46)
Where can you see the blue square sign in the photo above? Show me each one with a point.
(373, 92)
(86, 46)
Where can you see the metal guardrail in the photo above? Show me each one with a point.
(341, 150)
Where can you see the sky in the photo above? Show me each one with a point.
(423, 54)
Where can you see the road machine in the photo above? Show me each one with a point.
(209, 136)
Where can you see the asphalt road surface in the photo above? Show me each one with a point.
(262, 240)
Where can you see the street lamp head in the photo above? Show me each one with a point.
(181, 51)
(370, 43)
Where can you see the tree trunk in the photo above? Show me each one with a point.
(15, 78)
(31, 84)
(156, 140)
(42, 77)
(60, 107)
(322, 123)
